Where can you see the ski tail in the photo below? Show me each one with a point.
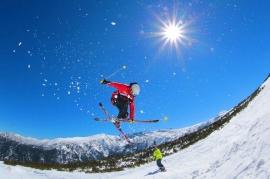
(104, 110)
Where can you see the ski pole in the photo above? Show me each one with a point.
(116, 71)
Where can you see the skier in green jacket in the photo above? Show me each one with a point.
(158, 157)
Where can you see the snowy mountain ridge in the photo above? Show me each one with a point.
(48, 143)
(66, 150)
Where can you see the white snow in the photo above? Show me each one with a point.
(239, 150)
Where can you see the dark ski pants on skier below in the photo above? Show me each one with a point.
(159, 164)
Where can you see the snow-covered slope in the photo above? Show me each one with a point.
(239, 150)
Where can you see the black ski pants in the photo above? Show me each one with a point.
(160, 165)
(121, 103)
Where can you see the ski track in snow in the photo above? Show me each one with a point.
(240, 150)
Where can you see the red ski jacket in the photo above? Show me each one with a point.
(124, 90)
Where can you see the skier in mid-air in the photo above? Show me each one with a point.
(122, 98)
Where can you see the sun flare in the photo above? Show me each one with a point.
(174, 33)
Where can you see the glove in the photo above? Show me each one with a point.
(104, 81)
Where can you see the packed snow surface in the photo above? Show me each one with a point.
(239, 150)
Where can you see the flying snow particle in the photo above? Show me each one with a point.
(174, 74)
(141, 111)
(14, 51)
(78, 89)
(146, 81)
(28, 66)
(29, 53)
(42, 95)
(68, 92)
(124, 67)
(113, 23)
(20, 43)
(165, 118)
(55, 84)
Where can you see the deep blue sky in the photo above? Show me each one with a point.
(53, 54)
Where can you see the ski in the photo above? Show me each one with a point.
(102, 120)
(104, 111)
(140, 121)
(126, 120)
(116, 123)
(123, 134)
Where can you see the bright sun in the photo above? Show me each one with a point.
(173, 33)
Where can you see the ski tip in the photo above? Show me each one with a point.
(96, 119)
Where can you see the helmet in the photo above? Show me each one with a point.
(135, 89)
